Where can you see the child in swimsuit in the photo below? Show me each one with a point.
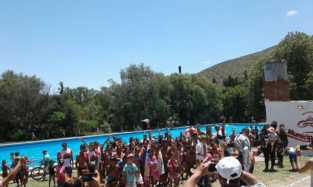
(82, 161)
(5, 169)
(173, 171)
(154, 174)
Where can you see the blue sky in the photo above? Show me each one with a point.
(87, 42)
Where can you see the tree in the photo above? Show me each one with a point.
(71, 111)
(235, 103)
(297, 49)
(180, 97)
(214, 80)
(23, 104)
(61, 88)
(230, 81)
(255, 97)
(309, 84)
(245, 75)
(194, 99)
(136, 98)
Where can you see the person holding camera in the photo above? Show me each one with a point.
(229, 172)
(71, 181)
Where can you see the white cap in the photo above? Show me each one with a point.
(229, 168)
(292, 150)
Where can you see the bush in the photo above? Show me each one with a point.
(106, 127)
(20, 135)
(88, 126)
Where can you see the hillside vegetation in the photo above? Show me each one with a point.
(237, 67)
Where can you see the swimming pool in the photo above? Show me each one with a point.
(33, 150)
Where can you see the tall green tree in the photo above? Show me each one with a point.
(255, 97)
(23, 104)
(297, 49)
(235, 103)
(133, 99)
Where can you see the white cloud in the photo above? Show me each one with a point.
(291, 13)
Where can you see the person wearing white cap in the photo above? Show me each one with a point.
(229, 172)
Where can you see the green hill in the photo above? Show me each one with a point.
(236, 67)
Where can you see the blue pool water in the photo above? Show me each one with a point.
(33, 150)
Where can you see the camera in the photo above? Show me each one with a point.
(91, 173)
(88, 177)
(211, 167)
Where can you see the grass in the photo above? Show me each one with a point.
(282, 178)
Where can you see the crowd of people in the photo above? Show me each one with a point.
(165, 161)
